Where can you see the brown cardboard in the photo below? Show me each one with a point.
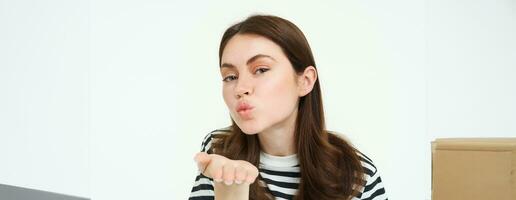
(474, 168)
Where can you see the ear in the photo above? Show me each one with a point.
(306, 81)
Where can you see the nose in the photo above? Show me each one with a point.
(240, 95)
(243, 87)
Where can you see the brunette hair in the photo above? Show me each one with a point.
(330, 167)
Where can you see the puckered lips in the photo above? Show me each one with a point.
(244, 109)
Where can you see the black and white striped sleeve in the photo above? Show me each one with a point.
(373, 189)
(203, 186)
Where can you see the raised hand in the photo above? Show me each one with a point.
(222, 169)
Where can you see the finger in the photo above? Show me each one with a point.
(214, 170)
(252, 173)
(202, 159)
(229, 173)
(240, 174)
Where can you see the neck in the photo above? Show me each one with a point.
(279, 139)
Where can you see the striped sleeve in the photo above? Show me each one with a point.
(373, 189)
(203, 186)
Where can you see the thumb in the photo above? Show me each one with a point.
(202, 159)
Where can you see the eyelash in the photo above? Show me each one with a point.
(226, 79)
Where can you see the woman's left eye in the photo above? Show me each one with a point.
(262, 70)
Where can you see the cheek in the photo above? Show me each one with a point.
(280, 94)
(226, 94)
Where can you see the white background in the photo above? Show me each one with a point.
(111, 99)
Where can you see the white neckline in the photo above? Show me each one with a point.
(278, 161)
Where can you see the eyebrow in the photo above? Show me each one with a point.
(252, 59)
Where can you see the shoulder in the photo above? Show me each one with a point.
(367, 163)
(208, 138)
(373, 186)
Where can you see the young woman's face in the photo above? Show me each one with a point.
(260, 86)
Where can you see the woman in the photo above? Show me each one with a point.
(277, 146)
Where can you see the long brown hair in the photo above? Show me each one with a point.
(338, 173)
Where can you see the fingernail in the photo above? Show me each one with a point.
(228, 182)
(218, 180)
(238, 182)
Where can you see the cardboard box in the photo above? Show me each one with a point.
(474, 168)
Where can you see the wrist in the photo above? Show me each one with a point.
(233, 191)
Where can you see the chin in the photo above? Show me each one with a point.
(249, 128)
(249, 131)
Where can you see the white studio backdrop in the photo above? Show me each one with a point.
(111, 99)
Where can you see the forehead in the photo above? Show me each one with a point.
(241, 47)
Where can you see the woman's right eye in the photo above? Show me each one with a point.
(229, 78)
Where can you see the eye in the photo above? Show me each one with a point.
(229, 78)
(261, 70)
